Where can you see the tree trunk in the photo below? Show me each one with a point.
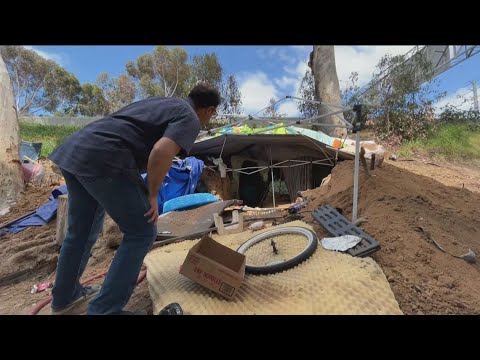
(11, 178)
(327, 88)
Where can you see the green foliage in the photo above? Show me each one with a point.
(117, 92)
(206, 68)
(92, 101)
(450, 141)
(39, 84)
(164, 72)
(469, 118)
(307, 92)
(400, 104)
(231, 97)
(50, 136)
(272, 112)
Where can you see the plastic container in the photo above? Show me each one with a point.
(33, 172)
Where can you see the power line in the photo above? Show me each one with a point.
(454, 55)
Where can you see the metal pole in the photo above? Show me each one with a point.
(325, 104)
(318, 102)
(273, 183)
(265, 108)
(304, 120)
(358, 111)
(475, 97)
(224, 141)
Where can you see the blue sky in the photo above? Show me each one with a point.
(263, 72)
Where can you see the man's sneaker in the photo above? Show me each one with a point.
(79, 306)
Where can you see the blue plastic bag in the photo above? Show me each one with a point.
(182, 179)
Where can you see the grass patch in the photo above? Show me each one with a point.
(51, 136)
(449, 141)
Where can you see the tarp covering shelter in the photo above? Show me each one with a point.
(303, 159)
(257, 146)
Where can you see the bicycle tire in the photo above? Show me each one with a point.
(284, 265)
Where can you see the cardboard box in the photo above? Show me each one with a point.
(215, 267)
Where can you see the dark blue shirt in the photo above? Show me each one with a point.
(120, 144)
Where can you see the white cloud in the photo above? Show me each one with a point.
(284, 82)
(58, 58)
(257, 90)
(292, 70)
(362, 59)
(457, 99)
(283, 55)
(291, 83)
(302, 48)
(277, 53)
(288, 107)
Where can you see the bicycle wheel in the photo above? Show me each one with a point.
(288, 247)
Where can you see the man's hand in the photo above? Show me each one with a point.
(152, 214)
(159, 163)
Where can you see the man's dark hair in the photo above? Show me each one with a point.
(204, 95)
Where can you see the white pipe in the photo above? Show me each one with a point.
(273, 183)
(355, 177)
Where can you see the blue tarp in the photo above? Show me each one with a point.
(181, 179)
(42, 215)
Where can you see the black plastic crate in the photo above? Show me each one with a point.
(337, 225)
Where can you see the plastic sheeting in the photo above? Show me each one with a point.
(42, 215)
(182, 179)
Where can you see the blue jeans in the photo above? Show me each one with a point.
(88, 198)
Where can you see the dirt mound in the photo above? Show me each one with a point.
(35, 248)
(405, 212)
(30, 257)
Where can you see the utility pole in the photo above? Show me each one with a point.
(475, 96)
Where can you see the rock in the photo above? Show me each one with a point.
(460, 305)
(469, 257)
(446, 281)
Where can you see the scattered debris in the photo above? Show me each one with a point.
(258, 225)
(340, 243)
(469, 257)
(360, 221)
(41, 287)
(296, 207)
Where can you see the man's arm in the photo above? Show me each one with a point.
(159, 162)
